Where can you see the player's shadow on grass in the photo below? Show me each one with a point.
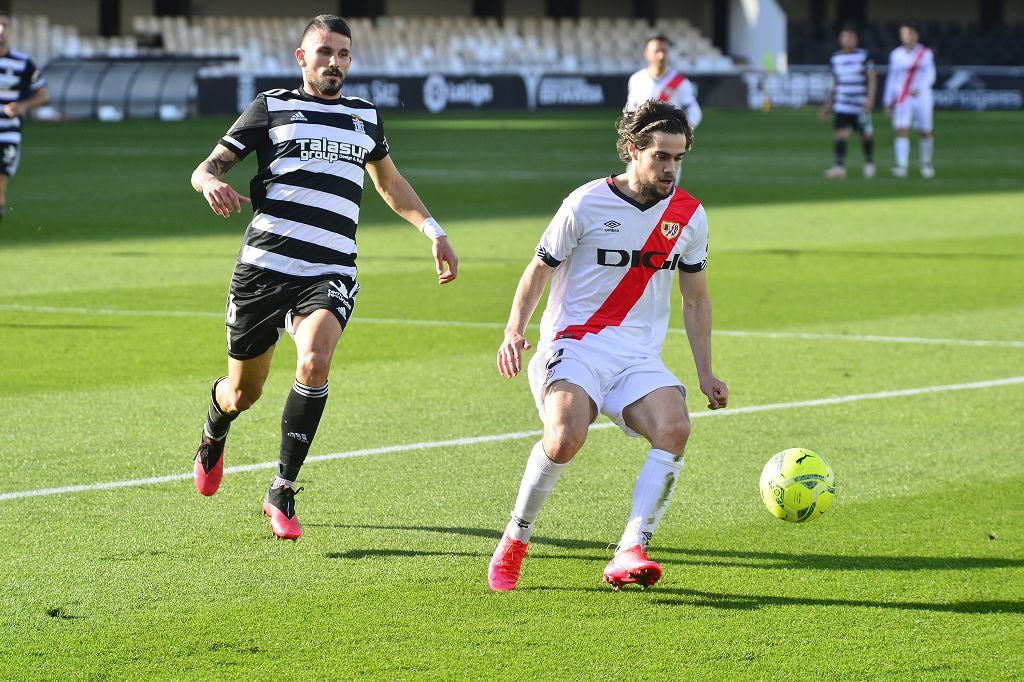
(734, 558)
(678, 596)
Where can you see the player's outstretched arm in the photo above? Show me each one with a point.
(403, 200)
(531, 287)
(207, 180)
(697, 319)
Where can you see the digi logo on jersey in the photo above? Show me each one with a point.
(323, 149)
(652, 260)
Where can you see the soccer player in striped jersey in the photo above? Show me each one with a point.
(21, 88)
(851, 98)
(610, 254)
(908, 99)
(296, 269)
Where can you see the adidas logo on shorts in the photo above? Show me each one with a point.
(298, 116)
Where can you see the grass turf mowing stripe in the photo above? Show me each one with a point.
(809, 336)
(517, 435)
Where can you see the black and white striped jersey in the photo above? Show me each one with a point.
(850, 80)
(19, 79)
(312, 156)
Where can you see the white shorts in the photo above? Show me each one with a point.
(913, 112)
(612, 381)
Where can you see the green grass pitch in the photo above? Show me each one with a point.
(113, 275)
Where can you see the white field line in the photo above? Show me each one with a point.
(517, 435)
(810, 336)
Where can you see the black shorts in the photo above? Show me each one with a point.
(10, 154)
(860, 122)
(261, 301)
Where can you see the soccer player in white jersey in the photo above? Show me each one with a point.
(296, 269)
(611, 253)
(908, 99)
(851, 97)
(659, 81)
(21, 88)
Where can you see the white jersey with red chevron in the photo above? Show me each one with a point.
(615, 263)
(671, 86)
(911, 74)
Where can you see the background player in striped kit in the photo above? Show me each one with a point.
(908, 98)
(609, 253)
(851, 97)
(21, 88)
(296, 269)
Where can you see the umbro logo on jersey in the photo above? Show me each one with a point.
(612, 226)
(298, 116)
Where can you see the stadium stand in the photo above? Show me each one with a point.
(953, 42)
(391, 45)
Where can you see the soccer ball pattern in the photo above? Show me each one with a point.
(797, 485)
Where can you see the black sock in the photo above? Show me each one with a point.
(869, 150)
(840, 152)
(301, 416)
(217, 421)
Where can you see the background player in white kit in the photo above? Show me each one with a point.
(609, 253)
(908, 99)
(659, 81)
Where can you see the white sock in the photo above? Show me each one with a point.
(925, 149)
(651, 496)
(901, 147)
(538, 481)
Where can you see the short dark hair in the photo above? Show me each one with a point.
(663, 38)
(650, 117)
(327, 22)
(851, 27)
(911, 24)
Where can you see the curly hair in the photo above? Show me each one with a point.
(650, 117)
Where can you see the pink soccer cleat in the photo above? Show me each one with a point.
(279, 506)
(503, 573)
(208, 468)
(631, 566)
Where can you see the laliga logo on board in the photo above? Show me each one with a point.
(670, 230)
(438, 92)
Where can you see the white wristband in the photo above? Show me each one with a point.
(430, 228)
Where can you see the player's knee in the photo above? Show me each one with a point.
(563, 441)
(313, 368)
(240, 400)
(674, 434)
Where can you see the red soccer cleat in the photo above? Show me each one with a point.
(208, 468)
(503, 573)
(279, 506)
(631, 566)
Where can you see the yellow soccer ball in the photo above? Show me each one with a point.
(797, 485)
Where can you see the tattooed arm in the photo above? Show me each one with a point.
(207, 179)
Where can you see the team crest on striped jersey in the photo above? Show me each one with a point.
(357, 124)
(669, 229)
